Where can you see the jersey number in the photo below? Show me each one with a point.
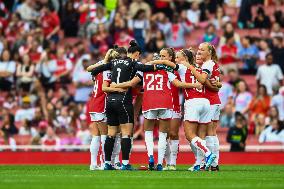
(194, 80)
(96, 88)
(118, 75)
(159, 82)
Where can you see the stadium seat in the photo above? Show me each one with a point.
(23, 139)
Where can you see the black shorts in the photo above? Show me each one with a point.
(118, 112)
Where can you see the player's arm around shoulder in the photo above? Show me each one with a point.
(177, 83)
(128, 84)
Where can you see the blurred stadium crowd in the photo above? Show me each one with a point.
(45, 46)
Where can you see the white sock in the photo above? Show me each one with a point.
(125, 162)
(174, 151)
(201, 145)
(216, 150)
(162, 144)
(210, 142)
(94, 149)
(149, 140)
(103, 139)
(116, 149)
(194, 150)
(168, 153)
(199, 158)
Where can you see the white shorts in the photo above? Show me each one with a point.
(197, 110)
(98, 117)
(215, 111)
(176, 115)
(158, 114)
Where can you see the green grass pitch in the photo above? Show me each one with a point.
(78, 176)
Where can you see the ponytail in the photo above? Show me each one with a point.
(212, 52)
(171, 52)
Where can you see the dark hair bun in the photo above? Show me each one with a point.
(115, 46)
(133, 43)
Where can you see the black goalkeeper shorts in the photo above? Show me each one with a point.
(119, 112)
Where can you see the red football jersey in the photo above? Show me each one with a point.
(97, 101)
(49, 22)
(213, 96)
(191, 93)
(175, 95)
(157, 91)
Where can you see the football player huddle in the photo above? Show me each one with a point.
(112, 106)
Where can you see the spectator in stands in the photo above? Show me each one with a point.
(264, 49)
(272, 114)
(83, 132)
(6, 139)
(27, 11)
(50, 142)
(101, 41)
(234, 78)
(164, 7)
(27, 129)
(50, 24)
(99, 19)
(42, 127)
(228, 55)
(82, 80)
(243, 97)
(278, 101)
(276, 31)
(175, 31)
(226, 92)
(237, 135)
(25, 112)
(245, 14)
(193, 14)
(229, 31)
(118, 24)
(63, 120)
(260, 103)
(181, 5)
(207, 8)
(269, 74)
(25, 73)
(123, 39)
(155, 41)
(45, 72)
(221, 18)
(69, 20)
(259, 123)
(38, 117)
(261, 20)
(210, 35)
(7, 71)
(64, 96)
(87, 10)
(248, 53)
(273, 133)
(8, 124)
(279, 15)
(137, 5)
(278, 52)
(139, 25)
(61, 67)
(227, 118)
